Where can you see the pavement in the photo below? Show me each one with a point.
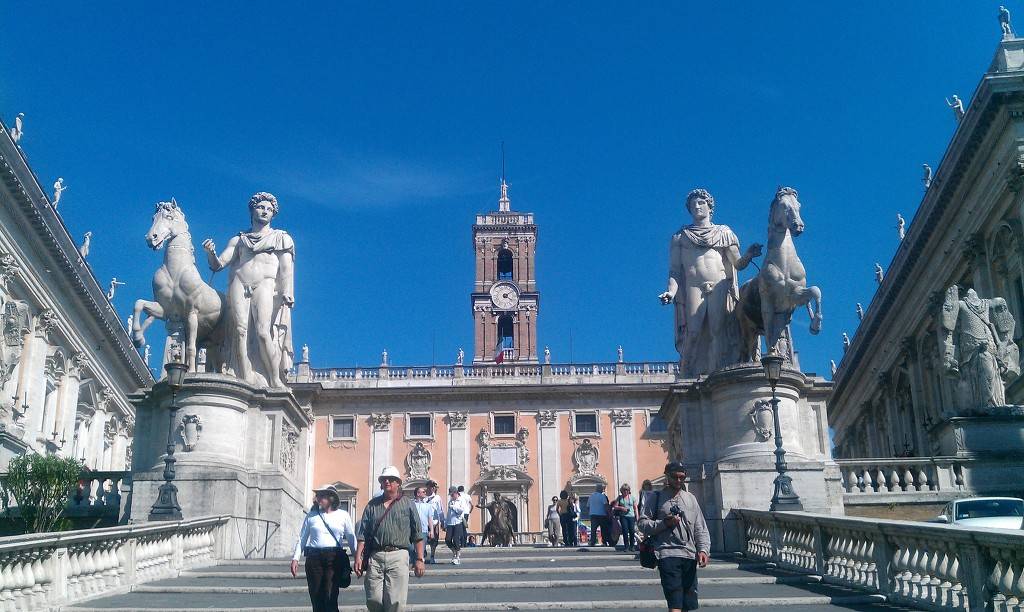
(519, 578)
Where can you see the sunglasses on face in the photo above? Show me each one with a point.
(390, 480)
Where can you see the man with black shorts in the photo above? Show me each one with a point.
(681, 539)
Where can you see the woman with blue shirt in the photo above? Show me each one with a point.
(327, 566)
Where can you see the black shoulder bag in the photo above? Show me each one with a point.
(646, 547)
(343, 570)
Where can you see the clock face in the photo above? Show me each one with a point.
(504, 296)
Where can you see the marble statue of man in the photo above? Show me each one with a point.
(703, 262)
(978, 347)
(460, 356)
(261, 294)
(547, 355)
(901, 226)
(957, 105)
(305, 353)
(846, 342)
(58, 189)
(860, 312)
(832, 367)
(879, 273)
(83, 250)
(927, 178)
(16, 131)
(1004, 22)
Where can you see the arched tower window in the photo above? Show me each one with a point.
(505, 332)
(505, 264)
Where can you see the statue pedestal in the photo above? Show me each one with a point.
(240, 450)
(723, 425)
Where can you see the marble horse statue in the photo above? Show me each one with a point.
(767, 301)
(190, 308)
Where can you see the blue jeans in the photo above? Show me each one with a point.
(628, 524)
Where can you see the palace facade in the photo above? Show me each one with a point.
(896, 394)
(508, 422)
(66, 362)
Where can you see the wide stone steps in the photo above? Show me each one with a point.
(522, 578)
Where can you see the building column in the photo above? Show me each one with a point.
(458, 449)
(380, 447)
(547, 460)
(33, 382)
(623, 447)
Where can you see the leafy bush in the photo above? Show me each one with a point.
(40, 486)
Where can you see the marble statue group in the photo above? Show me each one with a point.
(719, 323)
(247, 331)
(979, 354)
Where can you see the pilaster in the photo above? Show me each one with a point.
(624, 447)
(458, 448)
(548, 460)
(380, 447)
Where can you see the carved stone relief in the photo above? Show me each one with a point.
(512, 455)
(418, 462)
(381, 421)
(16, 323)
(547, 418)
(458, 420)
(621, 417)
(761, 418)
(191, 427)
(585, 457)
(289, 444)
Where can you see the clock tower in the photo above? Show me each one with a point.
(505, 299)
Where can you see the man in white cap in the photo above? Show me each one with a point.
(389, 525)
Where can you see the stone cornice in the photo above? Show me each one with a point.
(42, 220)
(995, 92)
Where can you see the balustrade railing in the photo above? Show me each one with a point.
(933, 567)
(47, 570)
(901, 475)
(522, 373)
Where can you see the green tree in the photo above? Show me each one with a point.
(40, 486)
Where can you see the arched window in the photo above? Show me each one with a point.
(505, 332)
(505, 264)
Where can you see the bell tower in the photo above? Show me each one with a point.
(505, 299)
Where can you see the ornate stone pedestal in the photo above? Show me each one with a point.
(721, 428)
(240, 451)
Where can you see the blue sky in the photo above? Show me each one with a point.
(379, 130)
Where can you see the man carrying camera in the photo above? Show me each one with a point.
(679, 535)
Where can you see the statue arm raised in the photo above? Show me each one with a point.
(219, 263)
(740, 263)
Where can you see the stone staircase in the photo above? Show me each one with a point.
(520, 578)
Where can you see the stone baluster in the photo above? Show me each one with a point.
(894, 478)
(881, 481)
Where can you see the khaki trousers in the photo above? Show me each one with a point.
(387, 581)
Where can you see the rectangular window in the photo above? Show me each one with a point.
(657, 425)
(343, 428)
(419, 427)
(586, 423)
(504, 425)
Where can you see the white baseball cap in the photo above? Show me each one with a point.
(389, 472)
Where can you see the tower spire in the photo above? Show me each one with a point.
(504, 204)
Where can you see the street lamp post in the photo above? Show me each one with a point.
(166, 507)
(784, 498)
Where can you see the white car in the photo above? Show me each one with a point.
(994, 512)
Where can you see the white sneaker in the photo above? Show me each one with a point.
(456, 561)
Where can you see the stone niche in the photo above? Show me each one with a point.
(240, 450)
(721, 428)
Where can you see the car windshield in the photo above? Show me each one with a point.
(985, 508)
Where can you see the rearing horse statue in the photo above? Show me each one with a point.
(190, 308)
(768, 300)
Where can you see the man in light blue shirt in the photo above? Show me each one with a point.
(428, 513)
(599, 517)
